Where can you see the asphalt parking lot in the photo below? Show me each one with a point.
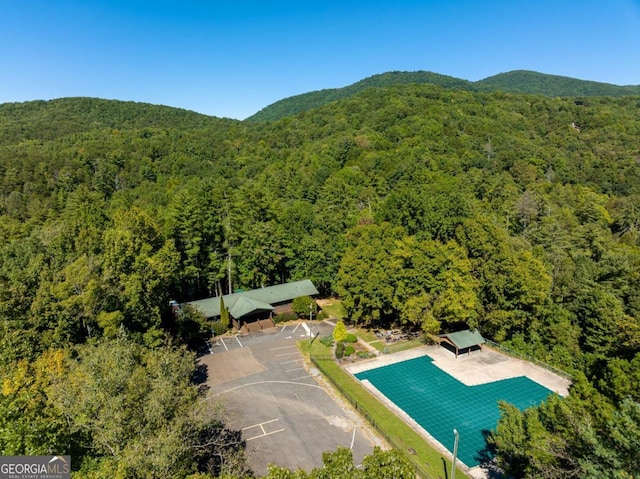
(286, 416)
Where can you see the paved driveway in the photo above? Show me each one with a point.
(286, 416)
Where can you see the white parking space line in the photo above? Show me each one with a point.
(261, 432)
(294, 361)
(238, 341)
(353, 438)
(286, 354)
(260, 424)
(294, 329)
(283, 347)
(294, 369)
(301, 377)
(208, 398)
(223, 343)
(263, 435)
(308, 332)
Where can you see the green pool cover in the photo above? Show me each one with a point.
(440, 403)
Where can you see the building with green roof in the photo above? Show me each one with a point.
(465, 341)
(248, 308)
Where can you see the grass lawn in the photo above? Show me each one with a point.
(429, 462)
(333, 307)
(370, 338)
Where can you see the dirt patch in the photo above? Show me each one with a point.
(325, 302)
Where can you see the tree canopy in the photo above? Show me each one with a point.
(420, 205)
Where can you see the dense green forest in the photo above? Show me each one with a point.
(518, 81)
(46, 120)
(307, 101)
(523, 81)
(418, 205)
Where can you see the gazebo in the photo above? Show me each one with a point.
(462, 341)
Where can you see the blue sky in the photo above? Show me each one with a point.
(232, 58)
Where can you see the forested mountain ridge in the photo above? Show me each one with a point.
(523, 81)
(46, 120)
(422, 206)
(518, 81)
(306, 101)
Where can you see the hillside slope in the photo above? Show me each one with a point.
(46, 120)
(523, 81)
(307, 101)
(417, 205)
(518, 81)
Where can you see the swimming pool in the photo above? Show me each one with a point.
(439, 403)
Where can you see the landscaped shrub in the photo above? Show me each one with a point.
(284, 317)
(327, 341)
(349, 350)
(218, 328)
(303, 306)
(351, 338)
(340, 332)
(225, 318)
(339, 350)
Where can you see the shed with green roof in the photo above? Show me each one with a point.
(462, 341)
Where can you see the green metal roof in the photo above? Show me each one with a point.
(255, 300)
(464, 339)
(244, 306)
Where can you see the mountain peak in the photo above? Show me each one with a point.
(516, 81)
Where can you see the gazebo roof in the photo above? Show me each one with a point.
(464, 339)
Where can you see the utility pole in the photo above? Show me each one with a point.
(227, 231)
(229, 270)
(455, 453)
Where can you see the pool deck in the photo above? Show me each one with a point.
(480, 367)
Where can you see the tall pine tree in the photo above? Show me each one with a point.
(224, 316)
